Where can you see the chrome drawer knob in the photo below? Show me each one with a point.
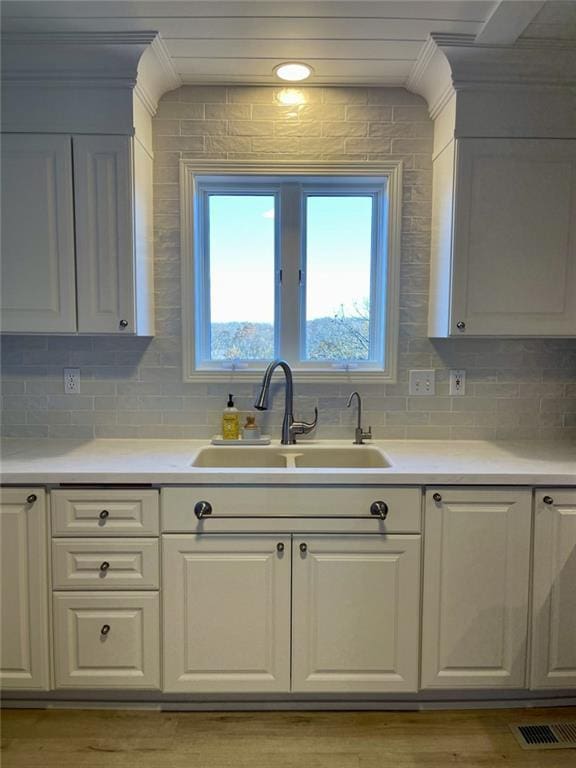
(280, 546)
(548, 500)
(32, 498)
(303, 548)
(105, 629)
(104, 566)
(437, 497)
(461, 325)
(123, 323)
(104, 514)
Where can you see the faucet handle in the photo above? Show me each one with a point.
(304, 427)
(368, 435)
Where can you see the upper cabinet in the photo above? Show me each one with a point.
(504, 238)
(77, 239)
(38, 286)
(69, 262)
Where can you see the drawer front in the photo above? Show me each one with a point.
(298, 509)
(105, 564)
(105, 513)
(106, 641)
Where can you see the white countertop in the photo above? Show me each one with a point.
(413, 462)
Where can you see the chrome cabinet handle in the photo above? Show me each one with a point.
(123, 323)
(461, 325)
(32, 498)
(202, 509)
(379, 509)
(105, 629)
(280, 546)
(548, 500)
(104, 566)
(437, 497)
(104, 514)
(303, 548)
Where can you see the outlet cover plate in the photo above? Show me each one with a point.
(72, 381)
(422, 383)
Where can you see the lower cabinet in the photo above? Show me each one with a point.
(554, 599)
(250, 613)
(226, 613)
(24, 647)
(107, 640)
(355, 614)
(476, 588)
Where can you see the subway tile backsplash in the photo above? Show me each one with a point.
(132, 387)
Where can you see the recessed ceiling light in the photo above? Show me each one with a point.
(293, 71)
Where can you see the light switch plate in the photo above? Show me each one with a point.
(422, 382)
(457, 383)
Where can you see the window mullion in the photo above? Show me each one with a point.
(291, 239)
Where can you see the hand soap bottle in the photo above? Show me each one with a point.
(230, 421)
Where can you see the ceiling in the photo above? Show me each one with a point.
(345, 41)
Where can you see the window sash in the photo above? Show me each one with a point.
(196, 175)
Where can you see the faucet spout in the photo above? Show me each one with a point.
(359, 434)
(290, 428)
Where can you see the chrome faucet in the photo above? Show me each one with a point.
(290, 428)
(359, 434)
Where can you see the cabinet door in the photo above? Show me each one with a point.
(24, 650)
(38, 274)
(106, 640)
(103, 195)
(356, 607)
(476, 585)
(554, 601)
(514, 268)
(226, 613)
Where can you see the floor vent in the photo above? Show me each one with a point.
(546, 735)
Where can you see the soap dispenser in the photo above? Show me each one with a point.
(230, 421)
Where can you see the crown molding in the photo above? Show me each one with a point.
(156, 75)
(451, 62)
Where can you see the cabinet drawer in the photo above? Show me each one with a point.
(273, 509)
(108, 564)
(105, 513)
(106, 640)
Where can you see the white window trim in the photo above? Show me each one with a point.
(190, 169)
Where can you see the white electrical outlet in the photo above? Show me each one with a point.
(457, 383)
(422, 382)
(72, 381)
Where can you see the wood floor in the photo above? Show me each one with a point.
(143, 739)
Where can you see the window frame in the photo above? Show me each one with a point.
(197, 177)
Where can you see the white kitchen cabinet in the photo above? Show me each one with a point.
(105, 512)
(226, 613)
(476, 588)
(554, 593)
(355, 609)
(106, 640)
(104, 238)
(38, 285)
(24, 589)
(504, 238)
(72, 261)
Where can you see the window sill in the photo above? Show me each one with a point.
(300, 375)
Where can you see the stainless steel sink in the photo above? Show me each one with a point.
(291, 457)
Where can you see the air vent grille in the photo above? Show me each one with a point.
(546, 735)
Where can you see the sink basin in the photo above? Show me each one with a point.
(355, 457)
(291, 457)
(240, 457)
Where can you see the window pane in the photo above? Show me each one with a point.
(338, 261)
(241, 241)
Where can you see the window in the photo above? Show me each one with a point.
(300, 265)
